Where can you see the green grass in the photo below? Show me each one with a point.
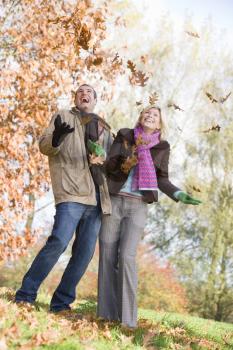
(25, 327)
(195, 326)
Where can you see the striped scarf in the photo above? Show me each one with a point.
(145, 176)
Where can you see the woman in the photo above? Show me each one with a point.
(136, 166)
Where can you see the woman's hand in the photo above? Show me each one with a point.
(186, 198)
(98, 160)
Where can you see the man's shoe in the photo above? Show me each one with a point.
(59, 311)
(28, 305)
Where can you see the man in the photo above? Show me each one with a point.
(79, 198)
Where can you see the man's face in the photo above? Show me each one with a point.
(85, 99)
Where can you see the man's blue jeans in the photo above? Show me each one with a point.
(70, 217)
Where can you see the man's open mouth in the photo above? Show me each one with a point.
(85, 100)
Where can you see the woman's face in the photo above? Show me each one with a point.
(150, 120)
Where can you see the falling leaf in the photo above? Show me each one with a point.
(84, 37)
(213, 128)
(144, 59)
(131, 66)
(223, 99)
(193, 34)
(97, 61)
(175, 106)
(116, 58)
(211, 98)
(196, 189)
(153, 98)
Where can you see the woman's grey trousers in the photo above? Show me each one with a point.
(120, 234)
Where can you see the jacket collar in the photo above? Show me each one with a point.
(85, 118)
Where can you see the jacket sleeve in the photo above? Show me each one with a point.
(114, 155)
(164, 183)
(45, 141)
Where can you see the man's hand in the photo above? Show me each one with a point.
(61, 131)
(96, 149)
(186, 198)
(98, 160)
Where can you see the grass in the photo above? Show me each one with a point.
(34, 327)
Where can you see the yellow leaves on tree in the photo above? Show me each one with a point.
(42, 59)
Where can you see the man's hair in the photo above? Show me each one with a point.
(95, 94)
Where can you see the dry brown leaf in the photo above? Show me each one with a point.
(213, 128)
(193, 34)
(175, 106)
(153, 98)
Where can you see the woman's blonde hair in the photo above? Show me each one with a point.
(162, 122)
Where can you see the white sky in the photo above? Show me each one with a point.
(221, 12)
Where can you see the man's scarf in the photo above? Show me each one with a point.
(91, 121)
(145, 176)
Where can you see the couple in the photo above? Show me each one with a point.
(136, 165)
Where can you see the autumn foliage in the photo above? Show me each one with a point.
(49, 47)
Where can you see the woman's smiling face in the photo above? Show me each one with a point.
(150, 120)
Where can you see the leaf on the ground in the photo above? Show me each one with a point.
(126, 339)
(13, 331)
(48, 337)
(107, 334)
(148, 338)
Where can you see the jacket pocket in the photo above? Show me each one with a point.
(76, 181)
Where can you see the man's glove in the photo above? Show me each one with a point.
(60, 132)
(186, 198)
(96, 149)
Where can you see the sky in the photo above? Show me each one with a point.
(221, 12)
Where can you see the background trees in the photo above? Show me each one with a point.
(49, 47)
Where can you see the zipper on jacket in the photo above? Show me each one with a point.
(83, 152)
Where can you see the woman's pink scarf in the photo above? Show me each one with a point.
(145, 176)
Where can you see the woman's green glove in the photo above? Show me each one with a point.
(186, 198)
(96, 149)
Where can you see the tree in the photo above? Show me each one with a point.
(48, 48)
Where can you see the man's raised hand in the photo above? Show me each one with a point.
(61, 131)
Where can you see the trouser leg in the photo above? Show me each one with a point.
(82, 252)
(66, 219)
(130, 235)
(107, 306)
